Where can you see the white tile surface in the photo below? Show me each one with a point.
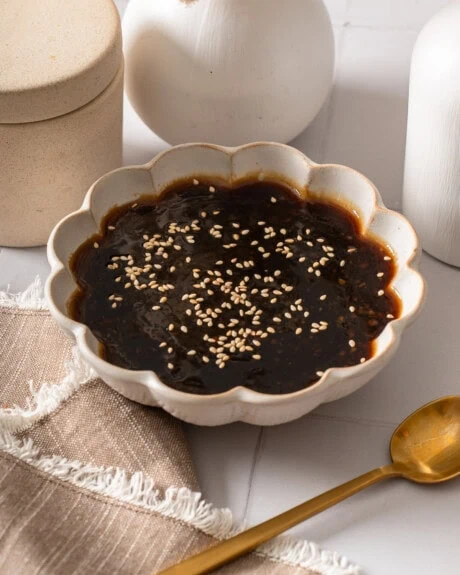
(224, 458)
(369, 106)
(406, 14)
(393, 529)
(385, 527)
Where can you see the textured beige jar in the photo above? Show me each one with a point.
(60, 127)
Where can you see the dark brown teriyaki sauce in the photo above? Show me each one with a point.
(213, 288)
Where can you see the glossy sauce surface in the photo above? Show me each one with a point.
(213, 288)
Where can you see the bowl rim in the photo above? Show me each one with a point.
(239, 394)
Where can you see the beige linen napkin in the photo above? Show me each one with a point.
(91, 482)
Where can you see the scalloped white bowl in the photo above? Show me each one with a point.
(330, 182)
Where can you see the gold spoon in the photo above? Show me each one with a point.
(425, 448)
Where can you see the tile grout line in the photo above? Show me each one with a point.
(332, 97)
(378, 28)
(355, 420)
(255, 460)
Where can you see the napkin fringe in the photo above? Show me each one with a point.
(30, 298)
(180, 504)
(47, 398)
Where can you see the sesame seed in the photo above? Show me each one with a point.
(323, 297)
(171, 327)
(96, 245)
(362, 360)
(380, 292)
(273, 200)
(320, 373)
(390, 316)
(191, 352)
(195, 182)
(212, 189)
(256, 356)
(387, 258)
(183, 328)
(298, 331)
(170, 366)
(352, 308)
(380, 275)
(352, 343)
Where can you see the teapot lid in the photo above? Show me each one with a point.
(55, 56)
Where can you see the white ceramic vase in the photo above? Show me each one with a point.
(228, 71)
(431, 198)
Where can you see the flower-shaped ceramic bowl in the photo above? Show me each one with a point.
(264, 160)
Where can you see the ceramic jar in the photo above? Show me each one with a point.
(61, 96)
(227, 71)
(431, 197)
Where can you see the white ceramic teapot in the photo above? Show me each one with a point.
(227, 71)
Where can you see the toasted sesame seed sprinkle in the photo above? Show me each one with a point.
(351, 343)
(380, 292)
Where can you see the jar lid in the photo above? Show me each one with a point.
(55, 56)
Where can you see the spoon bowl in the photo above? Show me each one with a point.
(426, 445)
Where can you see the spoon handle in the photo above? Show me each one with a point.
(232, 548)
